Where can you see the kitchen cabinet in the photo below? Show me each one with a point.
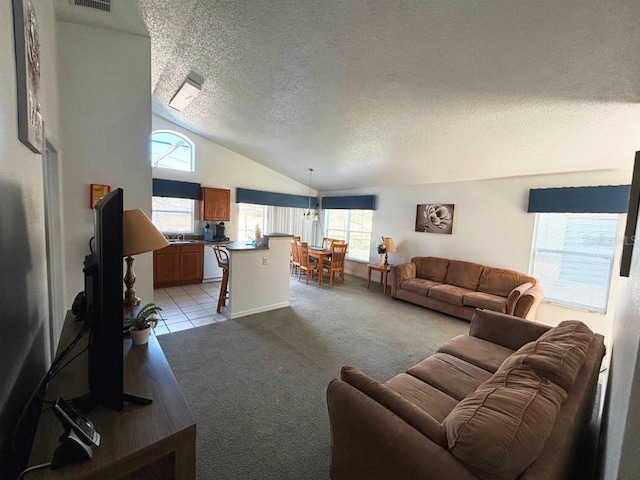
(215, 204)
(177, 265)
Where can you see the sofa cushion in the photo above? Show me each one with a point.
(486, 300)
(410, 413)
(448, 293)
(500, 281)
(447, 373)
(500, 429)
(427, 397)
(431, 268)
(558, 354)
(486, 355)
(464, 274)
(420, 286)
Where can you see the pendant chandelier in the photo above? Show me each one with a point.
(309, 214)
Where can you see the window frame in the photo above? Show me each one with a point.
(183, 137)
(610, 257)
(241, 221)
(348, 232)
(172, 232)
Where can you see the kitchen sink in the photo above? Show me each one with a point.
(183, 241)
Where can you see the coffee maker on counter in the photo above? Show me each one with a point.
(215, 234)
(218, 233)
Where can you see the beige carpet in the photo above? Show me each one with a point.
(256, 385)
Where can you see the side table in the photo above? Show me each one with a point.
(383, 269)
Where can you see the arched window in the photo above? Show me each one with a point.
(172, 150)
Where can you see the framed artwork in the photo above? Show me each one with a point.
(435, 218)
(96, 193)
(25, 29)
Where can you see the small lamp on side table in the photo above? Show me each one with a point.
(139, 235)
(389, 247)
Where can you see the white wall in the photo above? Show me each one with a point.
(621, 417)
(24, 317)
(491, 226)
(105, 98)
(259, 279)
(219, 167)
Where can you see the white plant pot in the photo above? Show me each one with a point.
(139, 337)
(381, 260)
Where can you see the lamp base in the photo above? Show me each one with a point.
(131, 301)
(130, 298)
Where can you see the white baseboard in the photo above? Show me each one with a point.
(268, 308)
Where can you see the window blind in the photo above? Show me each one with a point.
(573, 258)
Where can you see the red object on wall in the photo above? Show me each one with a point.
(96, 192)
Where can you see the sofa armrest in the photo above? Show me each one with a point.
(505, 330)
(400, 273)
(369, 442)
(527, 304)
(514, 296)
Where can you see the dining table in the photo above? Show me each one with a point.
(320, 254)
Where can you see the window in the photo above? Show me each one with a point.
(354, 227)
(172, 150)
(573, 258)
(249, 216)
(173, 215)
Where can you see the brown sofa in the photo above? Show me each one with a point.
(509, 400)
(457, 288)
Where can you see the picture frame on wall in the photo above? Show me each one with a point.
(96, 192)
(435, 218)
(27, 43)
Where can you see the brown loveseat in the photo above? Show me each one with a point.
(508, 401)
(457, 288)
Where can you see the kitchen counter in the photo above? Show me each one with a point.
(199, 242)
(244, 246)
(258, 276)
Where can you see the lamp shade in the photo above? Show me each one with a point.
(139, 234)
(389, 245)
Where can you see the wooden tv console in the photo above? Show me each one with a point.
(151, 441)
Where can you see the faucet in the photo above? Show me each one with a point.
(181, 236)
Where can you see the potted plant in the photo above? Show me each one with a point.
(141, 324)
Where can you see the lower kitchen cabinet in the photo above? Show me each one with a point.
(177, 265)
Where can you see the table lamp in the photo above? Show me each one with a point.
(389, 247)
(139, 235)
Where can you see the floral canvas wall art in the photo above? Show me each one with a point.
(435, 218)
(30, 121)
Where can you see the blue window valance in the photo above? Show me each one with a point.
(258, 197)
(360, 202)
(598, 199)
(175, 189)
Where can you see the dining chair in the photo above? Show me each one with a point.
(336, 262)
(326, 243)
(294, 262)
(308, 265)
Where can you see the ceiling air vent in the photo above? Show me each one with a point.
(104, 5)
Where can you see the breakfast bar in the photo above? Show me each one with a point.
(259, 275)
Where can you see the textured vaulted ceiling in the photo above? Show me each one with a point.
(405, 92)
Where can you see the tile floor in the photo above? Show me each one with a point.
(187, 307)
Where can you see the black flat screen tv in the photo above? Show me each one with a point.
(104, 312)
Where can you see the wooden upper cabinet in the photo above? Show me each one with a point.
(215, 204)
